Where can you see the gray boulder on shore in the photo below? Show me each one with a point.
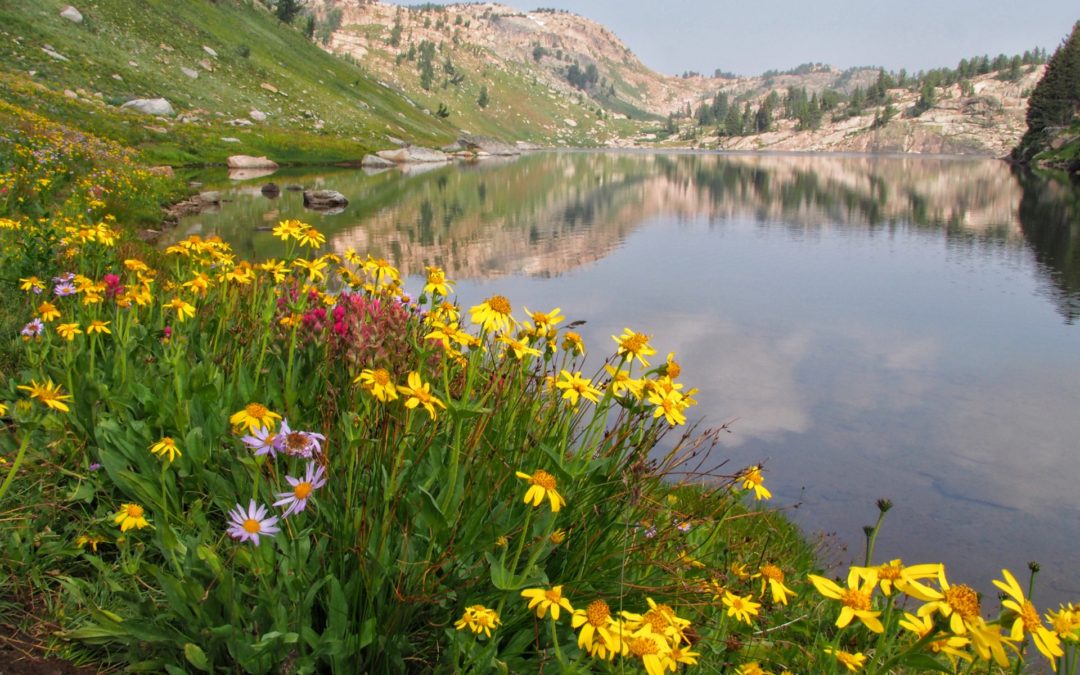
(249, 162)
(413, 155)
(375, 162)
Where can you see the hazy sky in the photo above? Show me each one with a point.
(751, 37)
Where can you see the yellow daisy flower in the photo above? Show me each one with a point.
(493, 314)
(378, 382)
(419, 394)
(855, 600)
(254, 416)
(542, 485)
(541, 600)
(166, 446)
(131, 516)
(633, 345)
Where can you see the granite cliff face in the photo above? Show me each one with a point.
(522, 59)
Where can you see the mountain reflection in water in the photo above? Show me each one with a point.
(894, 327)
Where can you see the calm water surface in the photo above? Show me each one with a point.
(872, 327)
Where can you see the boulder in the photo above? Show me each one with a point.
(210, 51)
(269, 87)
(414, 155)
(240, 122)
(257, 115)
(270, 190)
(324, 199)
(193, 74)
(72, 14)
(249, 162)
(206, 65)
(150, 106)
(374, 162)
(294, 188)
(484, 144)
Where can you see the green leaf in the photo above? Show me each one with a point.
(428, 512)
(196, 657)
(367, 632)
(337, 610)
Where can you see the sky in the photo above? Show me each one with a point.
(748, 38)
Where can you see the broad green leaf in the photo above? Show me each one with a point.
(196, 657)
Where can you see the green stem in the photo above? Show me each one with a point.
(555, 641)
(15, 465)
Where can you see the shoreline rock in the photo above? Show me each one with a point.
(249, 162)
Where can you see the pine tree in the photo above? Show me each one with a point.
(733, 121)
(1056, 98)
(286, 10)
(483, 99)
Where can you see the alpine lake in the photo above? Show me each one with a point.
(868, 326)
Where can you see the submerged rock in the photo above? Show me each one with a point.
(324, 200)
(270, 190)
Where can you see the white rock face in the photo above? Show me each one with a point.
(72, 14)
(249, 162)
(150, 106)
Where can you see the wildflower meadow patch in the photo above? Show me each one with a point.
(292, 465)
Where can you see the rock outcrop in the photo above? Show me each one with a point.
(483, 144)
(249, 162)
(159, 107)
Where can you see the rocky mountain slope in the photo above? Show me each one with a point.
(559, 78)
(987, 120)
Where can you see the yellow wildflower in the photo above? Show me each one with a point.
(378, 382)
(166, 446)
(254, 416)
(541, 600)
(419, 394)
(542, 484)
(131, 516)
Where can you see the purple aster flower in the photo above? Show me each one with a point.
(250, 525)
(296, 500)
(262, 441)
(33, 329)
(64, 289)
(298, 443)
(65, 278)
(94, 467)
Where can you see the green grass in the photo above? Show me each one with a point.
(252, 48)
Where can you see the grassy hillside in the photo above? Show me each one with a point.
(318, 107)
